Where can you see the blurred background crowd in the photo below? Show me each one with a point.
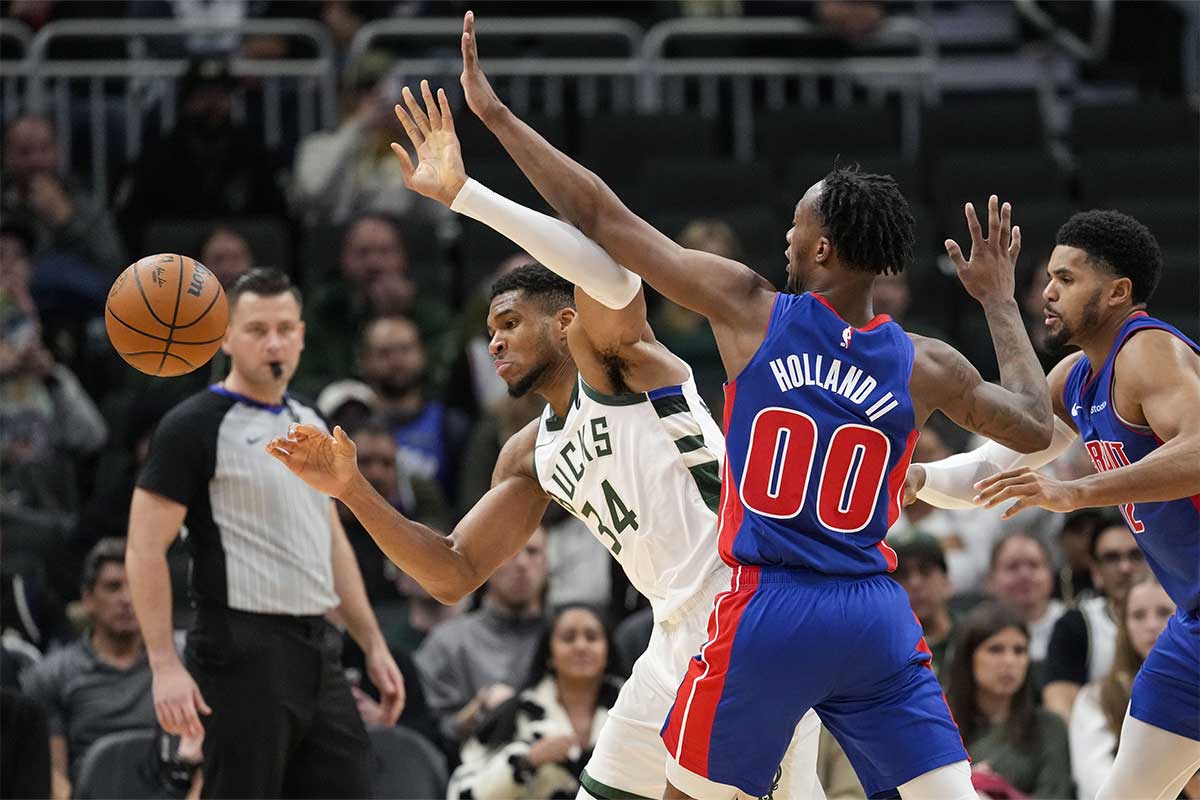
(255, 133)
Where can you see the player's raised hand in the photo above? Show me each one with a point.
(914, 481)
(327, 463)
(439, 172)
(481, 97)
(990, 274)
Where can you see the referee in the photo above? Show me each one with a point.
(261, 678)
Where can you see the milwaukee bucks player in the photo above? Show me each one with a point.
(625, 444)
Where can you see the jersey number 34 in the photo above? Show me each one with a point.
(780, 465)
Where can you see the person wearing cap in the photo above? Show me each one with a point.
(207, 166)
(343, 173)
(921, 570)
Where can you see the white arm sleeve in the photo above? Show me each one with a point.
(562, 248)
(950, 483)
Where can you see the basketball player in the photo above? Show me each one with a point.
(625, 444)
(823, 405)
(1131, 392)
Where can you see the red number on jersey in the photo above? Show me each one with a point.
(780, 461)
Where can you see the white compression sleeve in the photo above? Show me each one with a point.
(950, 483)
(562, 248)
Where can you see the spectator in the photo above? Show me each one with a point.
(343, 173)
(536, 744)
(1075, 542)
(499, 421)
(66, 221)
(101, 683)
(430, 436)
(1021, 579)
(1100, 707)
(1081, 644)
(990, 693)
(208, 166)
(416, 498)
(271, 560)
(227, 254)
(374, 282)
(471, 665)
(921, 570)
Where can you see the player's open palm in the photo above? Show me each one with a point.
(327, 463)
(990, 273)
(438, 172)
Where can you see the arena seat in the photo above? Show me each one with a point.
(406, 765)
(121, 765)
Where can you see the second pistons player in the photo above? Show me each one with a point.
(1131, 393)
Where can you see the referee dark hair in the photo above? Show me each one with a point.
(262, 681)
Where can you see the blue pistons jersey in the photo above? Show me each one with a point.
(1168, 532)
(819, 433)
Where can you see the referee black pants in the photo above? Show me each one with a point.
(283, 722)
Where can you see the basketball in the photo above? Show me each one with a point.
(166, 315)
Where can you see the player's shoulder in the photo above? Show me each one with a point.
(516, 456)
(1155, 348)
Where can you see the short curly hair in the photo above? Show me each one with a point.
(550, 290)
(1119, 243)
(868, 221)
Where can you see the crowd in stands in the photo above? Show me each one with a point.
(1037, 624)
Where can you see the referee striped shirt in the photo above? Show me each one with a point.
(259, 536)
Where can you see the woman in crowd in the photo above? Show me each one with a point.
(990, 693)
(536, 744)
(1021, 576)
(1100, 708)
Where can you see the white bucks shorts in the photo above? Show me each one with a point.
(630, 759)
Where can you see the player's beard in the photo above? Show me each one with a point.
(1089, 318)
(523, 386)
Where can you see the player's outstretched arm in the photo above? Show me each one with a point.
(723, 290)
(448, 567)
(1017, 413)
(618, 315)
(1160, 376)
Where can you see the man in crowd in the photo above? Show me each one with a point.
(472, 664)
(101, 683)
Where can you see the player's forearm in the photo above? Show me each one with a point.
(1169, 473)
(421, 552)
(150, 589)
(1022, 376)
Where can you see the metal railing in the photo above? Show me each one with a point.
(15, 40)
(529, 84)
(909, 76)
(143, 84)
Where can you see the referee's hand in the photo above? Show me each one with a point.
(177, 701)
(327, 463)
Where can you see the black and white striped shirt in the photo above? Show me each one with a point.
(260, 537)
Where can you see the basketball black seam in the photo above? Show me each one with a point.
(157, 353)
(138, 280)
(141, 332)
(204, 313)
(174, 316)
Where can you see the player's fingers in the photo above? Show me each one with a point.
(414, 133)
(993, 216)
(414, 108)
(299, 431)
(275, 449)
(1008, 493)
(1014, 249)
(1005, 225)
(1000, 476)
(973, 224)
(431, 106)
(444, 105)
(955, 253)
(344, 442)
(406, 165)
(1019, 506)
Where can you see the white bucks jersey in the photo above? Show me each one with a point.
(642, 471)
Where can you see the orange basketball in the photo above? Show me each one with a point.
(166, 315)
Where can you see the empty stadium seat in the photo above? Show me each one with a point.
(121, 765)
(406, 765)
(1010, 121)
(855, 133)
(1135, 127)
(616, 146)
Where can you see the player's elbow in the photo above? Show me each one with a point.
(1036, 434)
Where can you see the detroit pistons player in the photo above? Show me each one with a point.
(822, 407)
(1132, 393)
